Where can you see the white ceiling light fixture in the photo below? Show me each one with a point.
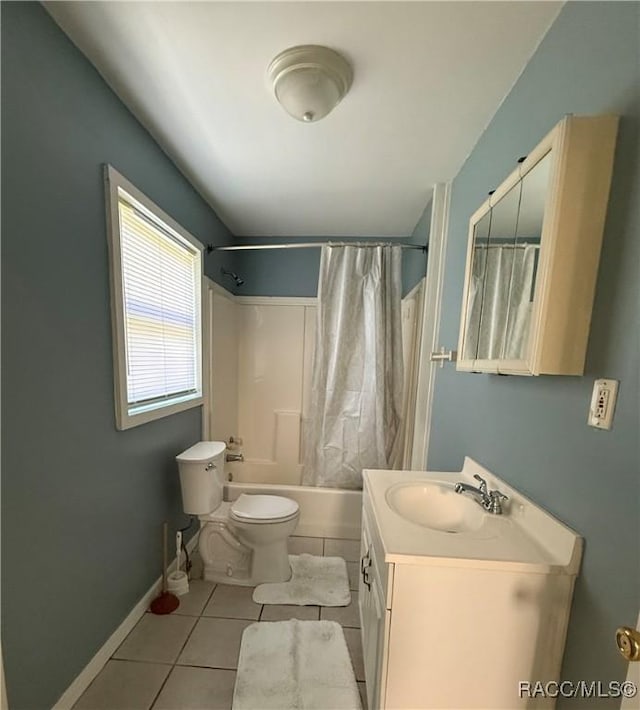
(309, 81)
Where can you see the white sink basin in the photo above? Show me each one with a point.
(436, 506)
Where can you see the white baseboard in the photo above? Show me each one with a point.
(68, 699)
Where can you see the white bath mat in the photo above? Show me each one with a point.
(301, 665)
(314, 580)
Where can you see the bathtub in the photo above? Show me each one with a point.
(324, 512)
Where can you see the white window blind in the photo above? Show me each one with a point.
(161, 282)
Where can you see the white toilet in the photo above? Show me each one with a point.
(243, 542)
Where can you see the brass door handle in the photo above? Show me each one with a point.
(628, 641)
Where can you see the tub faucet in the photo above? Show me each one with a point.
(234, 457)
(491, 501)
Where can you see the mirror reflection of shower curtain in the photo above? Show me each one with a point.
(500, 299)
(357, 380)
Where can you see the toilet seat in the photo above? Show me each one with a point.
(262, 509)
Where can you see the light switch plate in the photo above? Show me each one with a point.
(603, 403)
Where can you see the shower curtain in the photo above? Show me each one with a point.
(500, 302)
(357, 379)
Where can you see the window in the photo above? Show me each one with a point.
(156, 283)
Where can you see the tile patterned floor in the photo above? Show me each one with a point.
(188, 660)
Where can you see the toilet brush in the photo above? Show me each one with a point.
(178, 580)
(166, 602)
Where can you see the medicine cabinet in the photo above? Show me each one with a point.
(533, 253)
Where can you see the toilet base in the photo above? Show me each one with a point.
(215, 575)
(227, 560)
(270, 563)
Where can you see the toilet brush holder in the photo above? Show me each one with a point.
(178, 583)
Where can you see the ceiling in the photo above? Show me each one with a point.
(428, 77)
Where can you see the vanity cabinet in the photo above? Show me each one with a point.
(375, 616)
(533, 253)
(441, 630)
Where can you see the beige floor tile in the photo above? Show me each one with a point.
(232, 602)
(354, 644)
(310, 545)
(193, 603)
(125, 685)
(196, 688)
(157, 639)
(362, 689)
(282, 612)
(347, 549)
(353, 570)
(214, 643)
(344, 615)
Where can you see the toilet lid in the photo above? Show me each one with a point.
(252, 507)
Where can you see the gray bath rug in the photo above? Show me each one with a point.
(301, 665)
(314, 580)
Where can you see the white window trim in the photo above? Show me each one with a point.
(124, 419)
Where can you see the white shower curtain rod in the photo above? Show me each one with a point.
(311, 245)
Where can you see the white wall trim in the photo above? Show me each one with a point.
(430, 327)
(208, 289)
(279, 300)
(220, 290)
(275, 301)
(117, 186)
(68, 699)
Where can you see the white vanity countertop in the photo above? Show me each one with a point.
(525, 538)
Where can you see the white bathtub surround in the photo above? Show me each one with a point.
(320, 581)
(357, 381)
(295, 664)
(271, 358)
(262, 348)
(261, 360)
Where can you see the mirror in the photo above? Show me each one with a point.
(506, 242)
(532, 256)
(496, 260)
(526, 251)
(476, 286)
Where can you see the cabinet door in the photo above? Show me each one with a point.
(533, 253)
(372, 614)
(372, 622)
(373, 656)
(365, 602)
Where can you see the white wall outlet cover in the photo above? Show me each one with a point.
(603, 402)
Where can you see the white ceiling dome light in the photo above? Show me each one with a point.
(309, 81)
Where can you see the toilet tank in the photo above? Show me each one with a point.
(201, 469)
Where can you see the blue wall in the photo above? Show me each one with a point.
(533, 431)
(82, 503)
(414, 263)
(294, 272)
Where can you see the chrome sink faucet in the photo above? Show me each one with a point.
(491, 501)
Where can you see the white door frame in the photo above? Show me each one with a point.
(430, 323)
